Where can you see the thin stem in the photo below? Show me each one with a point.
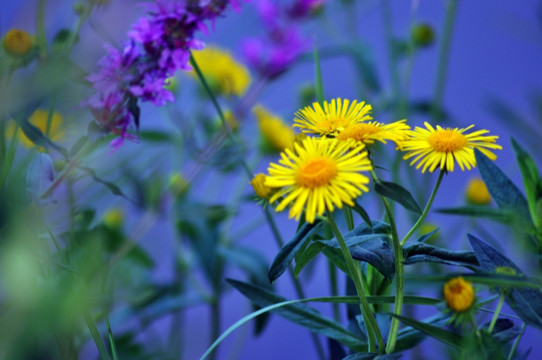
(246, 168)
(496, 314)
(215, 324)
(334, 290)
(515, 346)
(370, 322)
(349, 218)
(443, 58)
(426, 210)
(40, 28)
(104, 355)
(399, 274)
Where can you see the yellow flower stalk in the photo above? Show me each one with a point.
(222, 72)
(477, 193)
(319, 174)
(371, 131)
(459, 294)
(443, 147)
(258, 184)
(17, 42)
(333, 117)
(39, 119)
(273, 129)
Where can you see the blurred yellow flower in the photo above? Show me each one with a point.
(459, 294)
(371, 131)
(334, 117)
(318, 175)
(17, 42)
(39, 119)
(222, 72)
(258, 184)
(442, 147)
(477, 193)
(274, 131)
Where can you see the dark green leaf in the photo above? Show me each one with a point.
(425, 237)
(526, 302)
(111, 186)
(305, 256)
(530, 175)
(398, 193)
(501, 188)
(288, 251)
(35, 135)
(444, 336)
(155, 136)
(420, 252)
(371, 356)
(361, 211)
(300, 314)
(505, 330)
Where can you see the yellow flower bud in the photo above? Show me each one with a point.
(258, 183)
(17, 42)
(477, 193)
(276, 135)
(114, 218)
(178, 185)
(459, 294)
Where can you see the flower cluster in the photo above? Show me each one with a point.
(323, 172)
(282, 44)
(159, 44)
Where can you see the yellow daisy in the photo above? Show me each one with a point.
(274, 131)
(318, 175)
(333, 118)
(225, 75)
(442, 147)
(369, 132)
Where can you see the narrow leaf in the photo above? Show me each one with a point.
(398, 193)
(307, 255)
(420, 252)
(444, 336)
(529, 173)
(288, 251)
(501, 215)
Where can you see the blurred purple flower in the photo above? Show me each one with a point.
(283, 43)
(159, 45)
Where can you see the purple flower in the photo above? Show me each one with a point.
(303, 8)
(152, 89)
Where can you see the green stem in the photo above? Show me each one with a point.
(215, 323)
(319, 84)
(111, 338)
(6, 166)
(40, 29)
(426, 210)
(516, 343)
(349, 218)
(443, 58)
(104, 355)
(370, 322)
(399, 274)
(50, 114)
(334, 290)
(496, 314)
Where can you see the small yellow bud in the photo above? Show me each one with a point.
(178, 185)
(477, 193)
(276, 135)
(258, 183)
(422, 35)
(459, 294)
(17, 42)
(114, 218)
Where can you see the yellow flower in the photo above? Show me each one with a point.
(319, 174)
(459, 294)
(477, 192)
(258, 183)
(442, 147)
(333, 118)
(371, 131)
(17, 42)
(224, 74)
(274, 131)
(39, 120)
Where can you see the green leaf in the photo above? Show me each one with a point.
(501, 215)
(420, 252)
(288, 251)
(305, 256)
(361, 211)
(155, 136)
(111, 186)
(501, 188)
(530, 175)
(444, 336)
(318, 72)
(300, 314)
(399, 194)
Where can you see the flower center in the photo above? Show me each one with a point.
(447, 140)
(358, 132)
(331, 125)
(316, 172)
